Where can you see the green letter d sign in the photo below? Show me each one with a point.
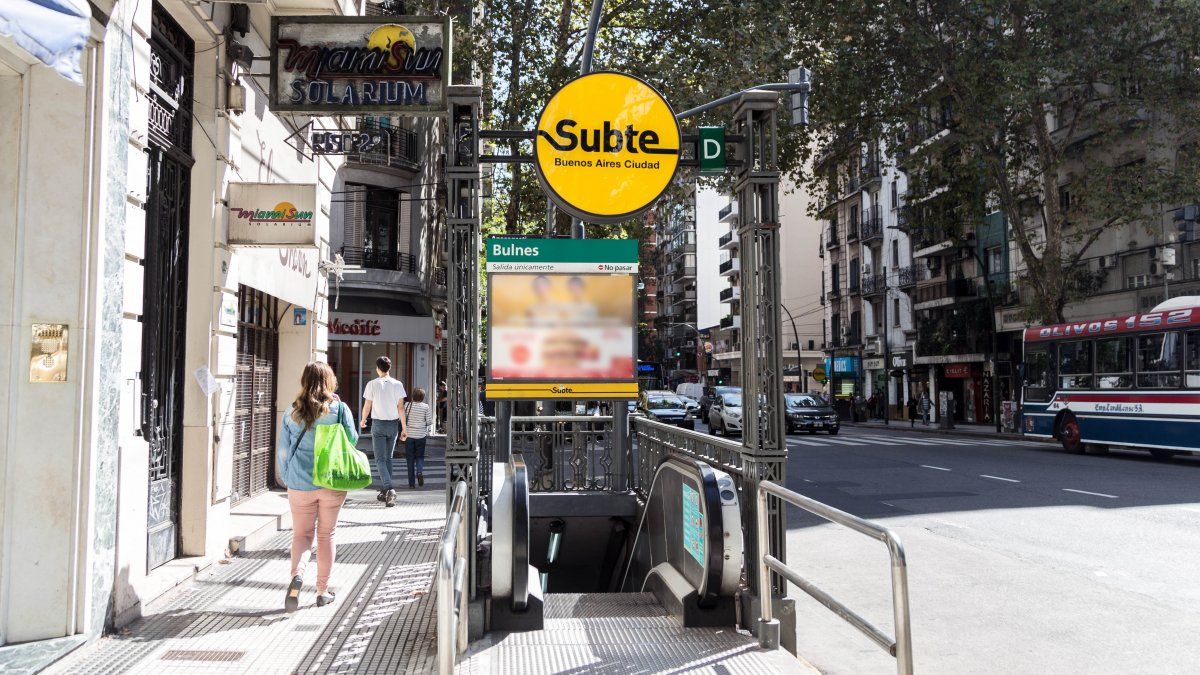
(710, 150)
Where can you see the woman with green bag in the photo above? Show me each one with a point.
(314, 508)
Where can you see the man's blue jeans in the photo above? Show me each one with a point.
(383, 441)
(414, 453)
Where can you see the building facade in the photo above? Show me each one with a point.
(675, 325)
(171, 243)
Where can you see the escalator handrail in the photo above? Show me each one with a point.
(520, 532)
(714, 520)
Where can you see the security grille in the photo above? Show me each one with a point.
(254, 408)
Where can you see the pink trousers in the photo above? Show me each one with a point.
(314, 512)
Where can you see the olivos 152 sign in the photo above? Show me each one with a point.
(349, 64)
(607, 146)
(272, 214)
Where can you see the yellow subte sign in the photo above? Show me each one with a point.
(607, 146)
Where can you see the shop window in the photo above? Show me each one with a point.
(1075, 364)
(1158, 360)
(1114, 363)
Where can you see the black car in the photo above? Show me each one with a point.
(667, 408)
(811, 413)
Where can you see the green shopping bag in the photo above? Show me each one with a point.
(337, 464)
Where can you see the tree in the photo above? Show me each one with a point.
(1068, 116)
(691, 51)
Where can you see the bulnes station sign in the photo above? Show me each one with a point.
(334, 64)
(607, 146)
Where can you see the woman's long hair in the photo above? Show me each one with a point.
(317, 387)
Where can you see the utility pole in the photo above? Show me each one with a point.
(887, 361)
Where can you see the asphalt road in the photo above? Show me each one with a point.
(1022, 558)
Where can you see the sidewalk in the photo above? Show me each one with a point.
(231, 619)
(960, 429)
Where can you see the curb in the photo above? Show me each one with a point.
(898, 426)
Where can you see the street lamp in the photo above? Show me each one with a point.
(796, 337)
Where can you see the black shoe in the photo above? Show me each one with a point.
(381, 496)
(390, 498)
(421, 479)
(325, 598)
(292, 602)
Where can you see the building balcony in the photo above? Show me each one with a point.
(872, 224)
(831, 242)
(942, 293)
(728, 213)
(853, 185)
(376, 259)
(871, 173)
(852, 232)
(730, 294)
(731, 267)
(908, 276)
(397, 151)
(680, 270)
(728, 241)
(873, 284)
(835, 292)
(854, 287)
(731, 321)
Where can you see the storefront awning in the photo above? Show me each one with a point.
(53, 31)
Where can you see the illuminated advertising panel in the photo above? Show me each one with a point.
(561, 319)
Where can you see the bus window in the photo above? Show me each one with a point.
(1158, 360)
(1192, 365)
(1114, 363)
(1037, 373)
(1075, 364)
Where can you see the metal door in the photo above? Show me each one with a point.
(254, 408)
(165, 294)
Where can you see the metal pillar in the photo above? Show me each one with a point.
(765, 453)
(463, 208)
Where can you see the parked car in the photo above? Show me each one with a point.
(712, 393)
(666, 407)
(725, 413)
(811, 413)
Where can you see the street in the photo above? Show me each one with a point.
(1022, 558)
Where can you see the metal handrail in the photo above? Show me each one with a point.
(899, 647)
(451, 583)
(520, 533)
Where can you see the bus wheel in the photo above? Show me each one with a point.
(1159, 453)
(1068, 434)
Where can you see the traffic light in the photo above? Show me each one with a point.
(678, 353)
(1185, 222)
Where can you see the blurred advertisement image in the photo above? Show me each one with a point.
(562, 327)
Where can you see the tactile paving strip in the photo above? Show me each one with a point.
(383, 621)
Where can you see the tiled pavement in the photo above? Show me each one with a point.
(232, 620)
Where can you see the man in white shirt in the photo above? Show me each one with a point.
(383, 404)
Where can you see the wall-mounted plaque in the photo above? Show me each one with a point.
(48, 353)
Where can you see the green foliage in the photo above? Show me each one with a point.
(1066, 115)
(692, 52)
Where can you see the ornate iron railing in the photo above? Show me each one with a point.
(568, 453)
(656, 442)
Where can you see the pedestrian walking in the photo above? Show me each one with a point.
(314, 509)
(926, 405)
(420, 419)
(912, 410)
(442, 406)
(383, 401)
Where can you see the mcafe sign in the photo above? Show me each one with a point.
(349, 64)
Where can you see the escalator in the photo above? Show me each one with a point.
(656, 588)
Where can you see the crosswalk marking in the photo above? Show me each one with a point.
(845, 441)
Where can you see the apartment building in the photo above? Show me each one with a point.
(870, 276)
(675, 324)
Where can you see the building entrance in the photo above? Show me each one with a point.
(254, 407)
(165, 294)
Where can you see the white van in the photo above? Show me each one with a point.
(692, 390)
